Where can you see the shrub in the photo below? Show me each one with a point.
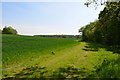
(9, 30)
(0, 31)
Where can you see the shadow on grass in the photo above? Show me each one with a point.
(74, 73)
(108, 70)
(68, 73)
(31, 71)
(27, 72)
(101, 73)
(91, 46)
(62, 73)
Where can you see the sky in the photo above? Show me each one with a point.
(41, 18)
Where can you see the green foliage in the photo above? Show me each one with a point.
(0, 31)
(99, 2)
(9, 30)
(106, 30)
(81, 29)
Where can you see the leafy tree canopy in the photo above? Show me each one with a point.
(106, 29)
(9, 30)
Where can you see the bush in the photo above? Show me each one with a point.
(9, 30)
(0, 31)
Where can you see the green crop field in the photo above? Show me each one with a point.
(16, 48)
(43, 57)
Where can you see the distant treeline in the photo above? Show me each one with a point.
(61, 36)
(106, 29)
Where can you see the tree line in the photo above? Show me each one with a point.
(106, 29)
(8, 30)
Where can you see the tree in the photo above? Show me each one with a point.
(9, 30)
(96, 3)
(106, 29)
(99, 2)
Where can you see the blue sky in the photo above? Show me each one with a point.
(30, 18)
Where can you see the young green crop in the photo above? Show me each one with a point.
(18, 48)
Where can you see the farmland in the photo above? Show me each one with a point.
(93, 54)
(15, 48)
(41, 57)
